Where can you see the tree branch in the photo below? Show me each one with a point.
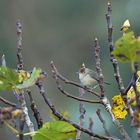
(7, 102)
(25, 116)
(55, 75)
(111, 47)
(34, 108)
(98, 112)
(71, 82)
(98, 68)
(61, 117)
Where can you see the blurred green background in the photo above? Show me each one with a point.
(64, 31)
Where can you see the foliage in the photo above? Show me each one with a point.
(55, 130)
(118, 108)
(11, 79)
(127, 48)
(8, 78)
(31, 80)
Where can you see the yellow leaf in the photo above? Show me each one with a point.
(118, 108)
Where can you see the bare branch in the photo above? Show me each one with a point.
(25, 116)
(82, 112)
(98, 67)
(35, 110)
(71, 82)
(61, 117)
(111, 47)
(7, 102)
(19, 46)
(98, 112)
(90, 127)
(55, 75)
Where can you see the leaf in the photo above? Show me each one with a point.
(31, 80)
(8, 78)
(55, 130)
(118, 108)
(127, 48)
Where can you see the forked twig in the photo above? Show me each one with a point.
(61, 117)
(111, 47)
(7, 102)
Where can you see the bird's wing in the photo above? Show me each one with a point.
(93, 74)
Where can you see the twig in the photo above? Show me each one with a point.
(98, 68)
(134, 84)
(111, 47)
(19, 46)
(135, 121)
(82, 112)
(98, 112)
(72, 82)
(34, 108)
(61, 117)
(7, 102)
(55, 75)
(90, 127)
(25, 117)
(116, 68)
(25, 112)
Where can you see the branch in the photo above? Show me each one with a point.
(19, 46)
(55, 75)
(7, 102)
(98, 67)
(82, 112)
(111, 47)
(61, 117)
(34, 108)
(98, 112)
(25, 116)
(90, 127)
(71, 82)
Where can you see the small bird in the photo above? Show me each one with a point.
(88, 77)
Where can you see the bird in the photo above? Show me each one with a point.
(88, 77)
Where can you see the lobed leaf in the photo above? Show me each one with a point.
(127, 48)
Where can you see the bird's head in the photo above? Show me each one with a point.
(82, 68)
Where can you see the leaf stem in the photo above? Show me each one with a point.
(11, 128)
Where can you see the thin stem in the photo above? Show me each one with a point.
(19, 46)
(11, 128)
(55, 75)
(98, 68)
(35, 110)
(25, 116)
(61, 117)
(111, 48)
(71, 82)
(7, 102)
(98, 112)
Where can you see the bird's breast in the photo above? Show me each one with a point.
(86, 80)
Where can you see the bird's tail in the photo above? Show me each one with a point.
(107, 83)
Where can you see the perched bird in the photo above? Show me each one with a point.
(88, 77)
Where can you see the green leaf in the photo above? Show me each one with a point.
(55, 130)
(8, 78)
(30, 81)
(127, 48)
